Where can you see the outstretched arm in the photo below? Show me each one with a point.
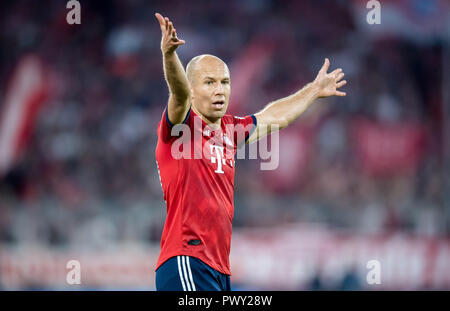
(280, 113)
(174, 73)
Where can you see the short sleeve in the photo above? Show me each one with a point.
(165, 126)
(243, 128)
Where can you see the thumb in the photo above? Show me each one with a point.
(325, 66)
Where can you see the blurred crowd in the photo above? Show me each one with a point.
(88, 175)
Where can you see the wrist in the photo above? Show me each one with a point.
(168, 54)
(314, 89)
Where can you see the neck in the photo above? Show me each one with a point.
(215, 124)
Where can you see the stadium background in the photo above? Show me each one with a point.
(361, 177)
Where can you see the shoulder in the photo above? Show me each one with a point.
(230, 119)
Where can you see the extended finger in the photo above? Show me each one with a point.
(160, 20)
(176, 40)
(166, 22)
(336, 71)
(340, 76)
(179, 42)
(325, 66)
(340, 84)
(339, 93)
(170, 29)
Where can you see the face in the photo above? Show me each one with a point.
(211, 88)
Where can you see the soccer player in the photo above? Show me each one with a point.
(198, 192)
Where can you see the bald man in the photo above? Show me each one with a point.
(197, 143)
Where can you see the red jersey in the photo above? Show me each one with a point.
(198, 186)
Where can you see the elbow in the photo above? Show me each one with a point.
(282, 123)
(275, 124)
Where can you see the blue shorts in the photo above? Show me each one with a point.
(186, 273)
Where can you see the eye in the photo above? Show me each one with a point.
(209, 82)
(225, 82)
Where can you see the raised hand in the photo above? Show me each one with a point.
(329, 83)
(169, 38)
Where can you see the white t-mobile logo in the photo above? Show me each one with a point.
(219, 158)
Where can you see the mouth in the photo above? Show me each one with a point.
(218, 104)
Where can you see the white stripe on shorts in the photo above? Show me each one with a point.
(190, 273)
(185, 274)
(181, 274)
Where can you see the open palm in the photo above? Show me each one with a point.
(169, 38)
(329, 83)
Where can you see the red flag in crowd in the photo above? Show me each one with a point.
(24, 96)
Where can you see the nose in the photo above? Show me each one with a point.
(220, 90)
